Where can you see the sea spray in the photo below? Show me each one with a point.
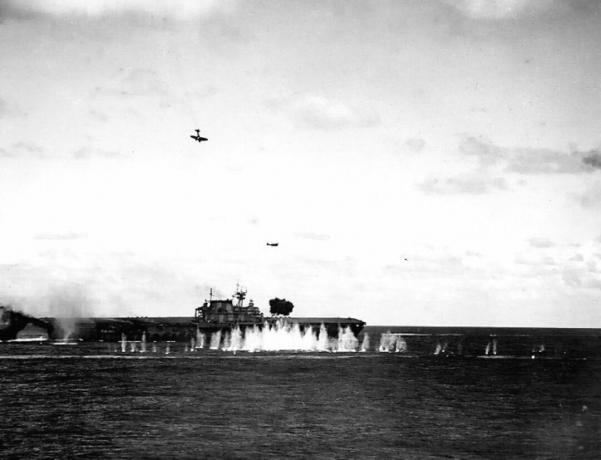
(283, 335)
(347, 340)
(400, 345)
(390, 342)
(200, 340)
(226, 340)
(235, 340)
(365, 343)
(215, 340)
(322, 340)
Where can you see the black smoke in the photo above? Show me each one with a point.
(280, 307)
(593, 159)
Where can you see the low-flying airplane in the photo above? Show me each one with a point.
(198, 138)
(273, 244)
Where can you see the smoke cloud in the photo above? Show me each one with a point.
(593, 159)
(174, 9)
(66, 303)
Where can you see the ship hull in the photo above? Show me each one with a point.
(181, 329)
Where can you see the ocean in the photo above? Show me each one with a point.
(434, 394)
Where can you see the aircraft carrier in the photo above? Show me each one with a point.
(212, 316)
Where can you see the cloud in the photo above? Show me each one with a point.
(85, 153)
(415, 144)
(592, 158)
(524, 160)
(581, 276)
(538, 242)
(136, 82)
(500, 9)
(319, 112)
(23, 150)
(313, 236)
(174, 9)
(468, 184)
(591, 197)
(60, 236)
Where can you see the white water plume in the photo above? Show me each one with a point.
(283, 336)
(365, 343)
(390, 342)
(215, 340)
(347, 340)
(200, 339)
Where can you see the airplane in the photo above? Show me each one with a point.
(273, 244)
(197, 137)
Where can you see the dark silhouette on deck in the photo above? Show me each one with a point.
(280, 307)
(198, 137)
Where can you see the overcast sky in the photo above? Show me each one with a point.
(419, 162)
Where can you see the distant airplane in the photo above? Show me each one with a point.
(272, 244)
(198, 137)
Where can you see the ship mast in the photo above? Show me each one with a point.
(240, 295)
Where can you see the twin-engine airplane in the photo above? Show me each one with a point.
(198, 138)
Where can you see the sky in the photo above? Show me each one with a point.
(419, 162)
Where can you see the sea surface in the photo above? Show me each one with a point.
(90, 400)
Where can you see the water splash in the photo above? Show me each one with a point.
(347, 340)
(365, 343)
(283, 336)
(215, 340)
(390, 343)
(200, 339)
